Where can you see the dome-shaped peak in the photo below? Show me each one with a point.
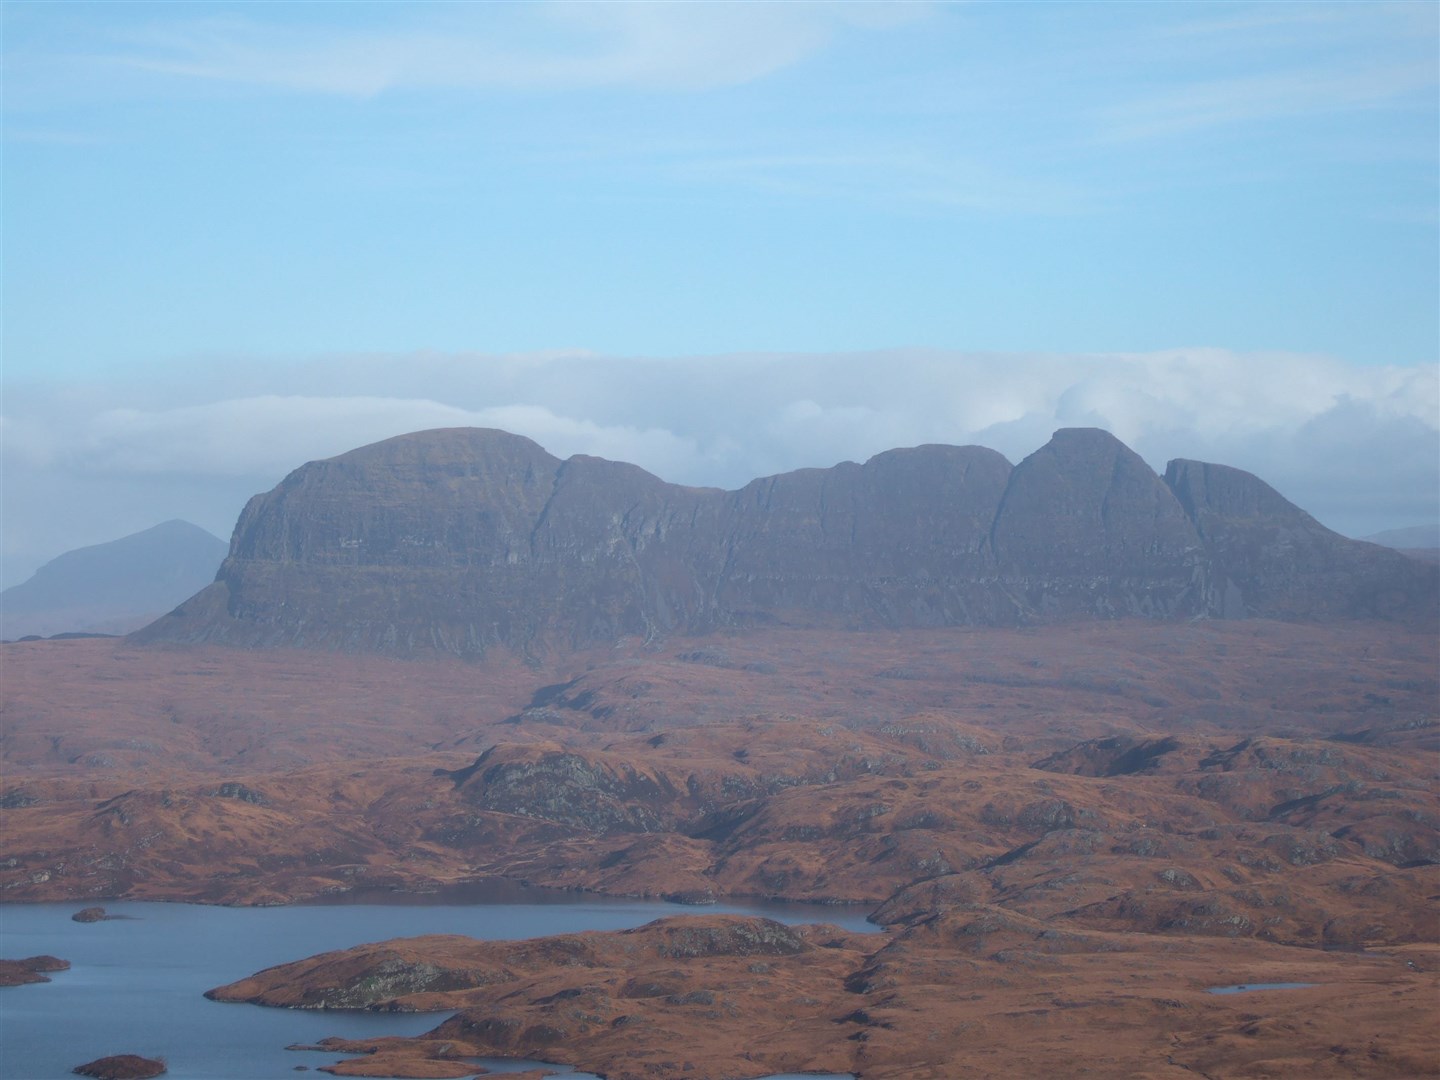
(1069, 433)
(440, 444)
(939, 454)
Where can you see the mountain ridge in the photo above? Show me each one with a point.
(462, 540)
(1410, 538)
(114, 586)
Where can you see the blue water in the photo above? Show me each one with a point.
(136, 982)
(1245, 988)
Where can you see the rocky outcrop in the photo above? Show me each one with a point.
(570, 788)
(679, 996)
(459, 541)
(122, 1067)
(374, 977)
(30, 970)
(405, 975)
(973, 985)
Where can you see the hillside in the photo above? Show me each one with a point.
(467, 540)
(1069, 831)
(1085, 741)
(1413, 538)
(113, 587)
(794, 764)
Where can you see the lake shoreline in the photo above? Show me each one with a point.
(484, 890)
(137, 978)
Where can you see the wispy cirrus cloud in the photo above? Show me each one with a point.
(1241, 65)
(1254, 98)
(541, 46)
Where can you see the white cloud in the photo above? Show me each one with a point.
(273, 434)
(653, 448)
(243, 436)
(1356, 446)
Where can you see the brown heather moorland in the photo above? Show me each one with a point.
(1069, 832)
(1087, 740)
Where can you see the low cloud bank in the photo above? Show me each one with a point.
(1356, 446)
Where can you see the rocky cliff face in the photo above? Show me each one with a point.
(462, 540)
(1087, 528)
(1268, 557)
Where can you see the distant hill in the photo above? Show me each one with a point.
(462, 540)
(1414, 538)
(113, 587)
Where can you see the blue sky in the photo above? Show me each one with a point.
(652, 179)
(216, 202)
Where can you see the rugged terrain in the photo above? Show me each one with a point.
(30, 970)
(1071, 831)
(115, 587)
(967, 992)
(778, 763)
(1070, 826)
(467, 540)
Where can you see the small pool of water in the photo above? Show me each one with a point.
(1245, 988)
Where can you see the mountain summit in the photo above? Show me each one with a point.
(113, 587)
(461, 540)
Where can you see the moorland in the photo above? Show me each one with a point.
(1076, 799)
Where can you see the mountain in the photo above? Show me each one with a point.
(113, 587)
(462, 540)
(1413, 538)
(1268, 557)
